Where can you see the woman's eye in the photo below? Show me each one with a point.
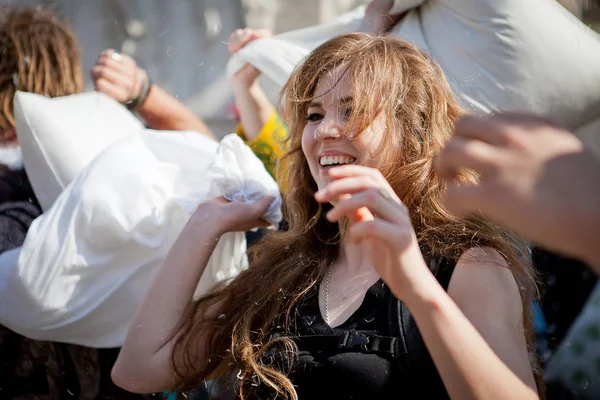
(347, 113)
(314, 117)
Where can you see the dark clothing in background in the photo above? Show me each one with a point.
(39, 370)
(566, 285)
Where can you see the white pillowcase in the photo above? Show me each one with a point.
(236, 175)
(60, 136)
(88, 261)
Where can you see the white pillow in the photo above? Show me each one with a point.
(60, 136)
(88, 261)
(524, 55)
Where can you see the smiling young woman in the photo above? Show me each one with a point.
(375, 290)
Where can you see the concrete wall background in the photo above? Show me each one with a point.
(183, 43)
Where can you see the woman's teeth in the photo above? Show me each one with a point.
(336, 160)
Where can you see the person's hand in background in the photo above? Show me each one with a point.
(118, 76)
(239, 38)
(535, 178)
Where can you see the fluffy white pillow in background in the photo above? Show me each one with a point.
(520, 55)
(60, 136)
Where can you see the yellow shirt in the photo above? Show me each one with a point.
(268, 145)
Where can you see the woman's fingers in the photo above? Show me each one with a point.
(350, 179)
(238, 216)
(121, 63)
(345, 171)
(341, 187)
(258, 209)
(116, 92)
(388, 233)
(238, 39)
(360, 194)
(114, 76)
(375, 200)
(263, 204)
(260, 33)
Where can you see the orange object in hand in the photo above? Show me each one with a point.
(360, 215)
(363, 214)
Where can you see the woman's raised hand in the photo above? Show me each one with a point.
(378, 220)
(225, 216)
(238, 39)
(117, 75)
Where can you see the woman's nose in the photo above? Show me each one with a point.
(328, 129)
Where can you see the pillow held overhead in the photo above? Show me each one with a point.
(60, 136)
(529, 56)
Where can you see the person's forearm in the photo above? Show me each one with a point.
(161, 111)
(254, 108)
(467, 365)
(159, 314)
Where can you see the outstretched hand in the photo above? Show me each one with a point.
(378, 220)
(536, 179)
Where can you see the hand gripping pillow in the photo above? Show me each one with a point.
(60, 136)
(88, 261)
(519, 55)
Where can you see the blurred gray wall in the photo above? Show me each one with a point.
(183, 43)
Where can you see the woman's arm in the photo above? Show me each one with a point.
(252, 104)
(162, 111)
(118, 76)
(477, 341)
(481, 284)
(144, 363)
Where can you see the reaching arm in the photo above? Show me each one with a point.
(162, 111)
(252, 104)
(144, 362)
(477, 341)
(254, 108)
(118, 76)
(536, 179)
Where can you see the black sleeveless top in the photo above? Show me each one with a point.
(378, 353)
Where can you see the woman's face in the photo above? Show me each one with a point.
(325, 141)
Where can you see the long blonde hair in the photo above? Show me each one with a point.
(39, 54)
(388, 76)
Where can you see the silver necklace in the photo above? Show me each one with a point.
(327, 280)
